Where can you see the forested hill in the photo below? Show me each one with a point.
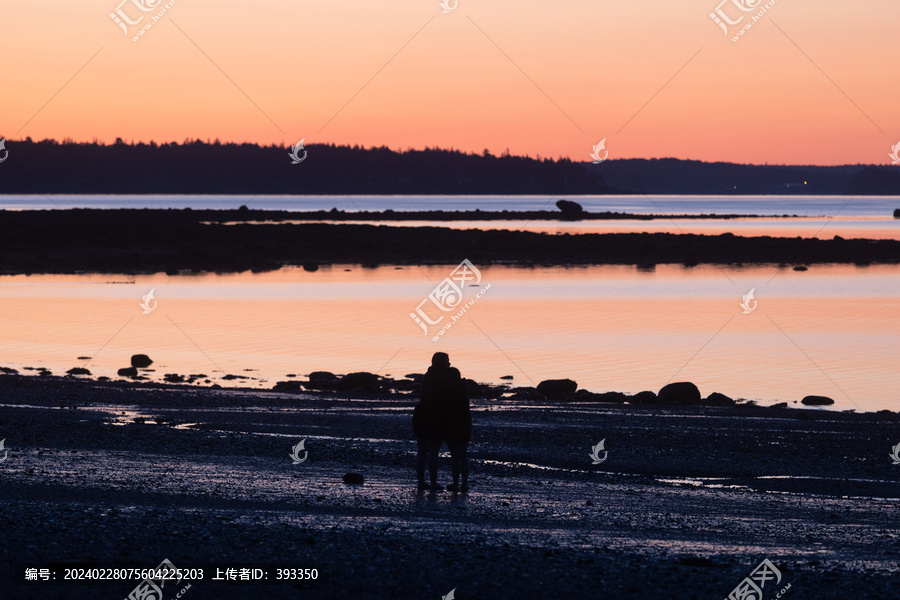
(196, 167)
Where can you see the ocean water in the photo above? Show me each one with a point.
(831, 330)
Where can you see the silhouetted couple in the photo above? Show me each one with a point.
(442, 415)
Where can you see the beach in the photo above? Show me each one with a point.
(690, 499)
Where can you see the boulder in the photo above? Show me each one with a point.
(141, 361)
(557, 387)
(897, 213)
(78, 371)
(524, 393)
(358, 381)
(288, 386)
(322, 381)
(717, 399)
(817, 401)
(644, 397)
(586, 396)
(127, 372)
(354, 478)
(682, 392)
(569, 209)
(310, 267)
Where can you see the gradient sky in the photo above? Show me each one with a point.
(812, 82)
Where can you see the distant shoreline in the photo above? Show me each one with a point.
(132, 241)
(197, 167)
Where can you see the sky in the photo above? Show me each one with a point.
(810, 82)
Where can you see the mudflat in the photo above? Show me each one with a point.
(686, 503)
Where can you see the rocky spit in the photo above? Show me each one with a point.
(685, 503)
(180, 241)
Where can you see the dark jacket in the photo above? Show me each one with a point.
(443, 413)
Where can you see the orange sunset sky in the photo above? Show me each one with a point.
(812, 82)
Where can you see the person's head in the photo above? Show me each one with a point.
(440, 360)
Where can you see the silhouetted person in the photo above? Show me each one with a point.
(458, 433)
(428, 416)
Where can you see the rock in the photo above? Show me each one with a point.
(310, 267)
(507, 377)
(230, 377)
(817, 401)
(569, 209)
(322, 381)
(417, 377)
(557, 387)
(353, 478)
(9, 370)
(288, 386)
(897, 213)
(644, 397)
(78, 371)
(682, 392)
(173, 378)
(717, 399)
(780, 405)
(524, 393)
(127, 372)
(141, 361)
(801, 268)
(483, 390)
(586, 396)
(358, 381)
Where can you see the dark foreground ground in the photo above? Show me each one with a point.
(171, 241)
(688, 502)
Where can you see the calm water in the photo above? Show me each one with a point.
(832, 330)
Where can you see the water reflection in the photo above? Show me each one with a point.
(830, 331)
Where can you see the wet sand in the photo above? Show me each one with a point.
(687, 503)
